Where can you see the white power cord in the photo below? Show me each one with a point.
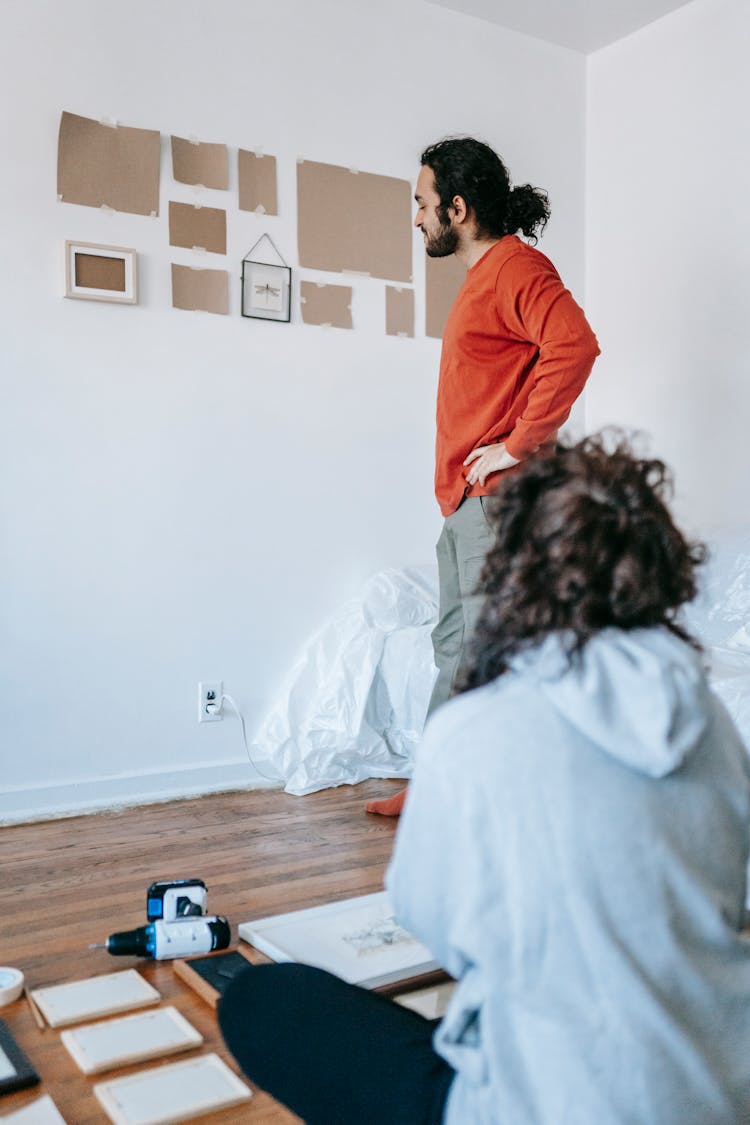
(228, 699)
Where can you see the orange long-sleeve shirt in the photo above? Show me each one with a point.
(517, 351)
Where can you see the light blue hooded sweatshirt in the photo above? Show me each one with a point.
(573, 851)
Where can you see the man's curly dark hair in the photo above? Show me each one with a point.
(467, 167)
(584, 541)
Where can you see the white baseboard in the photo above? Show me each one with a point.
(48, 802)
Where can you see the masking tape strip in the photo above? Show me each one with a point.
(11, 985)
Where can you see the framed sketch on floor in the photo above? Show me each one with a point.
(358, 939)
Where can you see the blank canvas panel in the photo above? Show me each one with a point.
(399, 311)
(444, 278)
(200, 290)
(198, 163)
(257, 180)
(119, 1042)
(329, 305)
(105, 995)
(353, 221)
(176, 1092)
(98, 165)
(41, 1112)
(203, 228)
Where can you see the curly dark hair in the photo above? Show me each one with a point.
(584, 541)
(469, 168)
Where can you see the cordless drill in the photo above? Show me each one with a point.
(177, 924)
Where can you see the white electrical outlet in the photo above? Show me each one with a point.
(209, 701)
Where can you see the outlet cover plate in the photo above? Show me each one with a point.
(210, 691)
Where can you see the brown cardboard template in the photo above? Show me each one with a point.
(399, 311)
(354, 221)
(444, 277)
(257, 180)
(202, 227)
(200, 163)
(326, 304)
(98, 165)
(200, 290)
(94, 272)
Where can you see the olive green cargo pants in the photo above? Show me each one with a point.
(464, 541)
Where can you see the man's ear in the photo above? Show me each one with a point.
(460, 210)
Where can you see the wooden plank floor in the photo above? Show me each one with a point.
(67, 883)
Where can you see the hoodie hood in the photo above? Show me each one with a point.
(640, 695)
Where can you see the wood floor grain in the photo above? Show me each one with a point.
(67, 883)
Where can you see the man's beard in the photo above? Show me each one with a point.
(442, 244)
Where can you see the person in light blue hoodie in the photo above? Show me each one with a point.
(573, 851)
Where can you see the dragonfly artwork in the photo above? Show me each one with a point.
(266, 292)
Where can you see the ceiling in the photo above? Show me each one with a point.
(583, 25)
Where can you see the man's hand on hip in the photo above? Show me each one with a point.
(488, 459)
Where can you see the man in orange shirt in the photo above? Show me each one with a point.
(517, 351)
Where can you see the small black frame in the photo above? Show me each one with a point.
(23, 1072)
(266, 291)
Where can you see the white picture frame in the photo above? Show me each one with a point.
(101, 273)
(357, 939)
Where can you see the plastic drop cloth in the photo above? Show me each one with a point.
(355, 702)
(720, 618)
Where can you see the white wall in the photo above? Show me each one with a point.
(668, 248)
(187, 496)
